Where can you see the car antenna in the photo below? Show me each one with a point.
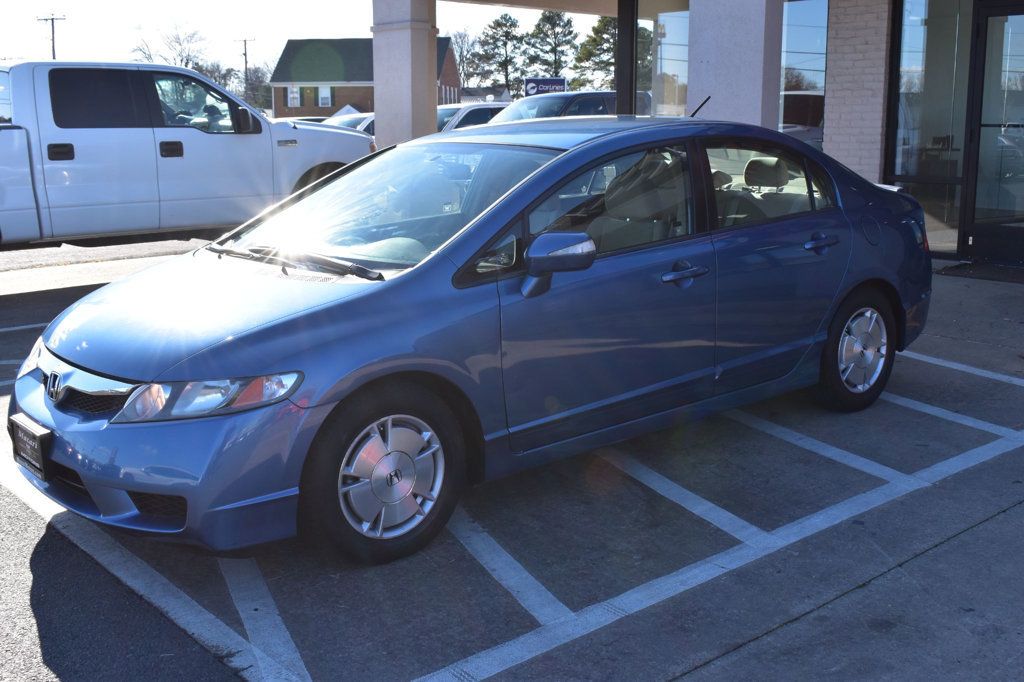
(699, 106)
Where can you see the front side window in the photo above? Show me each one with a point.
(755, 183)
(531, 107)
(96, 98)
(185, 102)
(475, 117)
(397, 208)
(6, 112)
(587, 106)
(445, 114)
(637, 199)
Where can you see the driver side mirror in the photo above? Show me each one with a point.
(554, 252)
(246, 123)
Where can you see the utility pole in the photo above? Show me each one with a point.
(53, 33)
(245, 69)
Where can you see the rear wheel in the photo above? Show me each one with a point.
(859, 352)
(384, 474)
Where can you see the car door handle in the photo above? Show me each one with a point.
(171, 148)
(62, 151)
(820, 242)
(684, 272)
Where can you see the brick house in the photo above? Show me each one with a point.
(317, 77)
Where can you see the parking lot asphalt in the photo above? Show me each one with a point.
(777, 541)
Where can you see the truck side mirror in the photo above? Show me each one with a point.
(246, 124)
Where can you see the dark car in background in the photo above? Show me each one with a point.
(553, 104)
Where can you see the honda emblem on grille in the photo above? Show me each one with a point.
(55, 386)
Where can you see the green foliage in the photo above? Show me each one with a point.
(500, 54)
(595, 61)
(551, 46)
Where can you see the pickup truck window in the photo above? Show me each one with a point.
(5, 97)
(185, 101)
(96, 98)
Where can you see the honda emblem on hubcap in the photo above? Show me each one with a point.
(394, 477)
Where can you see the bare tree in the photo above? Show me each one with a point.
(464, 45)
(181, 48)
(226, 77)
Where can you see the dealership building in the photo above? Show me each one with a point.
(925, 94)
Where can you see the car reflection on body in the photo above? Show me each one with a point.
(461, 307)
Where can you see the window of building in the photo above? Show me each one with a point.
(636, 199)
(294, 97)
(662, 54)
(928, 111)
(804, 40)
(96, 98)
(325, 99)
(756, 183)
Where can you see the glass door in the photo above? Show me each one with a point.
(995, 209)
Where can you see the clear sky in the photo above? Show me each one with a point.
(108, 30)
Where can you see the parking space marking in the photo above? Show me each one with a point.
(509, 573)
(7, 382)
(949, 364)
(949, 415)
(145, 581)
(966, 460)
(23, 327)
(746, 533)
(263, 625)
(868, 466)
(11, 362)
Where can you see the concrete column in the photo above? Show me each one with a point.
(736, 58)
(404, 69)
(856, 83)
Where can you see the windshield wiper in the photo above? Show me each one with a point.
(271, 254)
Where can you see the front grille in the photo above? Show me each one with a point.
(170, 507)
(91, 404)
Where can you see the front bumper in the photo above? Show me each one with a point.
(237, 474)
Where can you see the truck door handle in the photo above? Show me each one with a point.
(61, 151)
(820, 242)
(682, 272)
(171, 148)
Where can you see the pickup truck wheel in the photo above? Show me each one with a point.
(384, 474)
(315, 173)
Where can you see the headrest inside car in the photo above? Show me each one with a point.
(720, 179)
(644, 190)
(766, 171)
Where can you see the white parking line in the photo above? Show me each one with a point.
(949, 364)
(270, 639)
(949, 415)
(145, 581)
(966, 460)
(509, 573)
(710, 512)
(23, 327)
(864, 464)
(11, 362)
(6, 382)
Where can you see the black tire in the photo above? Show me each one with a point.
(834, 392)
(314, 174)
(322, 519)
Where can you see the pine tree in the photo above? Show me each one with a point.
(595, 61)
(500, 54)
(551, 46)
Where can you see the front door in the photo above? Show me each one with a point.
(994, 207)
(633, 334)
(210, 174)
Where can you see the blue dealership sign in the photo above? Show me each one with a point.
(538, 86)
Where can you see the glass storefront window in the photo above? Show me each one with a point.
(802, 97)
(932, 100)
(662, 51)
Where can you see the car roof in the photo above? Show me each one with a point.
(557, 133)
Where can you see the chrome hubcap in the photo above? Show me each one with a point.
(863, 350)
(391, 476)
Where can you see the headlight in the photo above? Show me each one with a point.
(32, 361)
(184, 399)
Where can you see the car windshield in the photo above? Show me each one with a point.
(396, 209)
(530, 107)
(347, 120)
(444, 114)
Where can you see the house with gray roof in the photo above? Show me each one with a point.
(317, 77)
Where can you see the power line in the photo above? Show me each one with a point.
(53, 33)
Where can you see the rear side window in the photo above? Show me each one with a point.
(475, 117)
(587, 106)
(97, 98)
(5, 97)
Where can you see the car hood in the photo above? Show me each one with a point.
(143, 325)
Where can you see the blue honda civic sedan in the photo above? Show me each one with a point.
(461, 307)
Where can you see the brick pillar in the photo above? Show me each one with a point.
(856, 83)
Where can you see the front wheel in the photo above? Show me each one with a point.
(384, 474)
(859, 353)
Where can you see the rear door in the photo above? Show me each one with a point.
(97, 150)
(209, 173)
(782, 246)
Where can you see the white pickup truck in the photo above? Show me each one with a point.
(92, 150)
